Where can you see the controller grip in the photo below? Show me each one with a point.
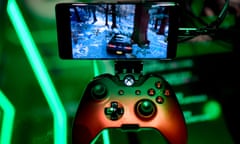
(82, 135)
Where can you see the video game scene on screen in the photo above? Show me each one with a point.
(119, 31)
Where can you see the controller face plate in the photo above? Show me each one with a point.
(109, 103)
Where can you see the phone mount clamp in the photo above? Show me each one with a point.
(128, 71)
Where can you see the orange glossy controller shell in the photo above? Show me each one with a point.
(91, 119)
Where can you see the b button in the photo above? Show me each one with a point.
(159, 99)
(167, 92)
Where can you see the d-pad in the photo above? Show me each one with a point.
(114, 112)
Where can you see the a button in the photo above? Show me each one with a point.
(159, 99)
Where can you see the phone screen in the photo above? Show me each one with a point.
(129, 31)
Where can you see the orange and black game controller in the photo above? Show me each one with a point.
(126, 102)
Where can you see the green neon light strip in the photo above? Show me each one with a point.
(185, 100)
(40, 71)
(211, 111)
(95, 68)
(8, 119)
(179, 78)
(106, 139)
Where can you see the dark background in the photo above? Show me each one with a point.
(202, 67)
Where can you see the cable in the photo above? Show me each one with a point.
(221, 16)
(185, 34)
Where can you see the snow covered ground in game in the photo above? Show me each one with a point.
(91, 39)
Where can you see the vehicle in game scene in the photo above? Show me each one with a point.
(119, 44)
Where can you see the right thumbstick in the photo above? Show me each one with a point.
(145, 109)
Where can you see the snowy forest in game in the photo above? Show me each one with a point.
(115, 31)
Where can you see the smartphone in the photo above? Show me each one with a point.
(116, 31)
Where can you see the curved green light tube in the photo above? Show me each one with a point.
(8, 119)
(40, 71)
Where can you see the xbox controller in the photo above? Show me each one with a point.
(129, 103)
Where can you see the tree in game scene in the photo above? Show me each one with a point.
(106, 15)
(114, 25)
(163, 25)
(141, 19)
(78, 18)
(162, 16)
(112, 11)
(93, 10)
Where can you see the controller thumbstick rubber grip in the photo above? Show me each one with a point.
(99, 91)
(145, 109)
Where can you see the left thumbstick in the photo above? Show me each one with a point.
(99, 91)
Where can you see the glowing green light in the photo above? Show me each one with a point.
(95, 68)
(212, 109)
(191, 99)
(197, 7)
(106, 139)
(186, 29)
(40, 71)
(102, 137)
(179, 78)
(8, 119)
